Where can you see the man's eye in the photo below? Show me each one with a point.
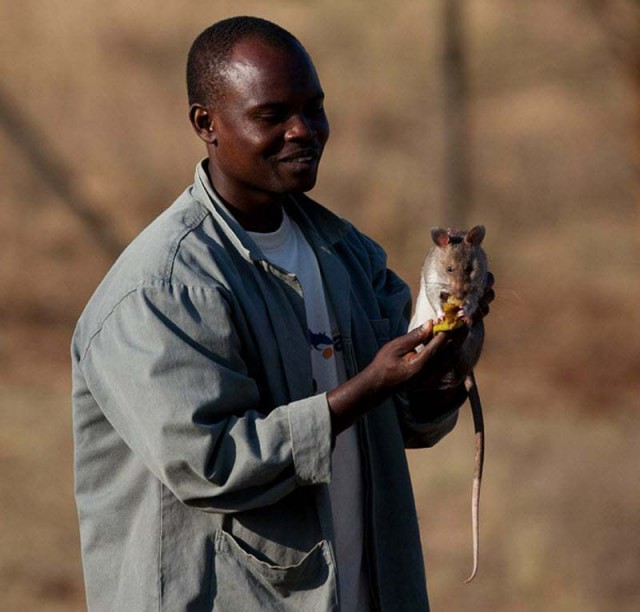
(273, 114)
(271, 117)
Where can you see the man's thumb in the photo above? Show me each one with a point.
(421, 334)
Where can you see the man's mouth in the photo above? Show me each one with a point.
(304, 156)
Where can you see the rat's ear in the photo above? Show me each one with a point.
(475, 235)
(440, 236)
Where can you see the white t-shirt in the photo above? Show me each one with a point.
(288, 249)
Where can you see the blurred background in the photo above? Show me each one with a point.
(523, 116)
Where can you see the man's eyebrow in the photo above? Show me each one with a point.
(268, 105)
(276, 105)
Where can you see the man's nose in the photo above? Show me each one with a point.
(301, 128)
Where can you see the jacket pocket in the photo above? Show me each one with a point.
(243, 582)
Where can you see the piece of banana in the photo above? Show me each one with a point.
(451, 319)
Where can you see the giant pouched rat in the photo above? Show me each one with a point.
(456, 267)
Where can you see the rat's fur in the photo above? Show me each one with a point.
(456, 265)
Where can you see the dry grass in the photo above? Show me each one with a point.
(40, 565)
(554, 183)
(558, 514)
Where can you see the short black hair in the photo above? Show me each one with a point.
(212, 49)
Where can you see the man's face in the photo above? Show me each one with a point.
(270, 127)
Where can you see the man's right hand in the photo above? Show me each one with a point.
(395, 365)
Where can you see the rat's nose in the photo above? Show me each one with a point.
(458, 290)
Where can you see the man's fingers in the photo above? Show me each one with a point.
(483, 311)
(491, 279)
(487, 297)
(419, 359)
(415, 337)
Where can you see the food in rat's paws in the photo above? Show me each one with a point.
(451, 320)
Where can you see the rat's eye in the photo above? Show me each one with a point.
(469, 269)
(449, 269)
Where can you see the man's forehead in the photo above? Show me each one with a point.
(255, 66)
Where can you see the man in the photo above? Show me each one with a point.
(242, 386)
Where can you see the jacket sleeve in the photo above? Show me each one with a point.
(167, 372)
(426, 419)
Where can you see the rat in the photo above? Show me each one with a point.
(455, 272)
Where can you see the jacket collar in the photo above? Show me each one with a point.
(317, 222)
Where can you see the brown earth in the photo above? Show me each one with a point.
(554, 182)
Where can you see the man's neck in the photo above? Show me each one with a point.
(258, 220)
(262, 214)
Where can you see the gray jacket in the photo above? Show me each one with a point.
(202, 455)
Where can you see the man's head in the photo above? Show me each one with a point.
(257, 103)
(211, 51)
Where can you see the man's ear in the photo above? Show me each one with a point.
(202, 122)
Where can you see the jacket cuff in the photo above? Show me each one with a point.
(310, 427)
(426, 419)
(425, 435)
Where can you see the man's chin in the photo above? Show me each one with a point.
(300, 184)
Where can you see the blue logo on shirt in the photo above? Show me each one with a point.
(319, 341)
(325, 344)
